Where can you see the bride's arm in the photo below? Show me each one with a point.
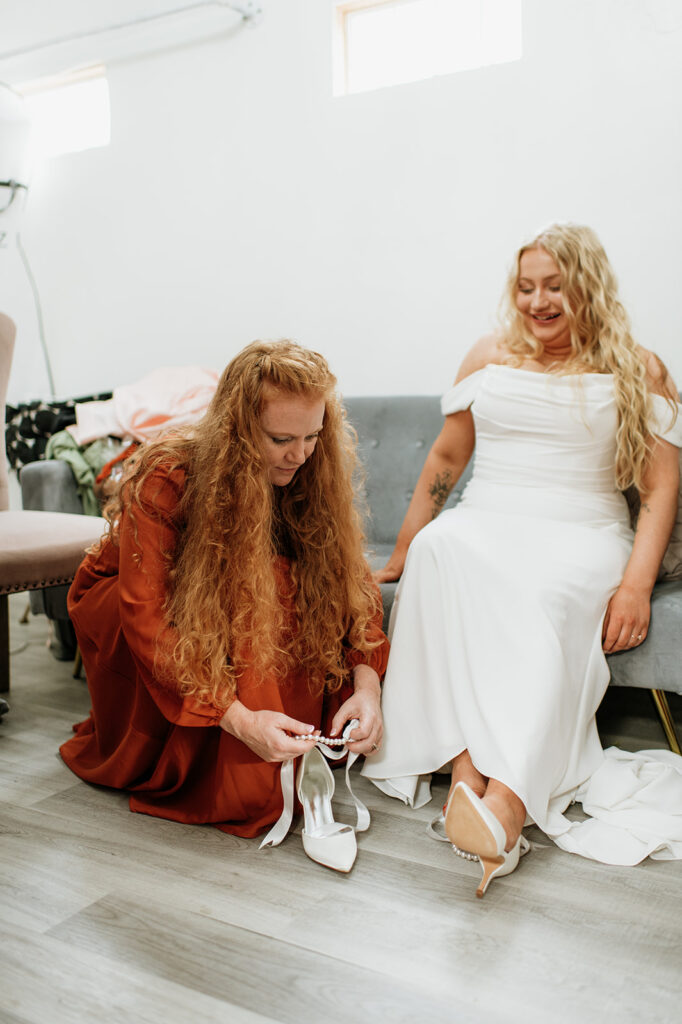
(444, 465)
(627, 617)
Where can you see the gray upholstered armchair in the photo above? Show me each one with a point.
(37, 549)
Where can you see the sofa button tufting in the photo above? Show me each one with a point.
(420, 443)
(374, 442)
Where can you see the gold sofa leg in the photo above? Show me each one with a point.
(661, 702)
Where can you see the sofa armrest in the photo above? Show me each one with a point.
(49, 486)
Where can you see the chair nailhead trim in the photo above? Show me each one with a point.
(19, 588)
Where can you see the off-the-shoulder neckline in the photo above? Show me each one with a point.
(604, 378)
(541, 373)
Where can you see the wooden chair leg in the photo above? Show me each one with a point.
(77, 664)
(4, 643)
(661, 702)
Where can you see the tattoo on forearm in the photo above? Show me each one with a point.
(644, 507)
(439, 491)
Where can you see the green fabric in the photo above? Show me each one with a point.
(85, 462)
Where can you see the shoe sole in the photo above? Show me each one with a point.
(467, 830)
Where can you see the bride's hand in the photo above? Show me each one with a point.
(392, 571)
(626, 622)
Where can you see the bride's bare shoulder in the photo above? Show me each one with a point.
(488, 349)
(658, 378)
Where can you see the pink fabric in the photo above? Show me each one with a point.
(171, 396)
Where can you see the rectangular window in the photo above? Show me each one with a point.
(68, 113)
(389, 42)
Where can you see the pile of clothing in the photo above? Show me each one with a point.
(96, 433)
(29, 426)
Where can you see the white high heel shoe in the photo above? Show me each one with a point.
(326, 841)
(476, 834)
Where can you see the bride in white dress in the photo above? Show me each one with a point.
(508, 602)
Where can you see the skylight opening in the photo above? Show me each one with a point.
(380, 43)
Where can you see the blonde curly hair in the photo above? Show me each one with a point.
(222, 597)
(601, 339)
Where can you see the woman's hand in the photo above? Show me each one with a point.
(268, 733)
(365, 705)
(392, 571)
(626, 622)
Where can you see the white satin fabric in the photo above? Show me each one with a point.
(496, 626)
(280, 829)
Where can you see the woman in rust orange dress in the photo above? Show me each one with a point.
(230, 609)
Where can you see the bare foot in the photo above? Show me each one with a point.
(463, 770)
(509, 810)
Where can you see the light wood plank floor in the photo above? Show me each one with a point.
(108, 916)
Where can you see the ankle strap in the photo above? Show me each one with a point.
(281, 827)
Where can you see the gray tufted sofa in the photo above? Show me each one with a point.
(395, 435)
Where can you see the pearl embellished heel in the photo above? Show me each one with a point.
(477, 835)
(324, 840)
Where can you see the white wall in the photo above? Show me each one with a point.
(238, 199)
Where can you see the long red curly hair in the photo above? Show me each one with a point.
(221, 590)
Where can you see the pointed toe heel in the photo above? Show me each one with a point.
(324, 840)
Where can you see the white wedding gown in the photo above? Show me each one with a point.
(496, 626)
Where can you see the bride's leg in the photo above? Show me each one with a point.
(508, 808)
(463, 770)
